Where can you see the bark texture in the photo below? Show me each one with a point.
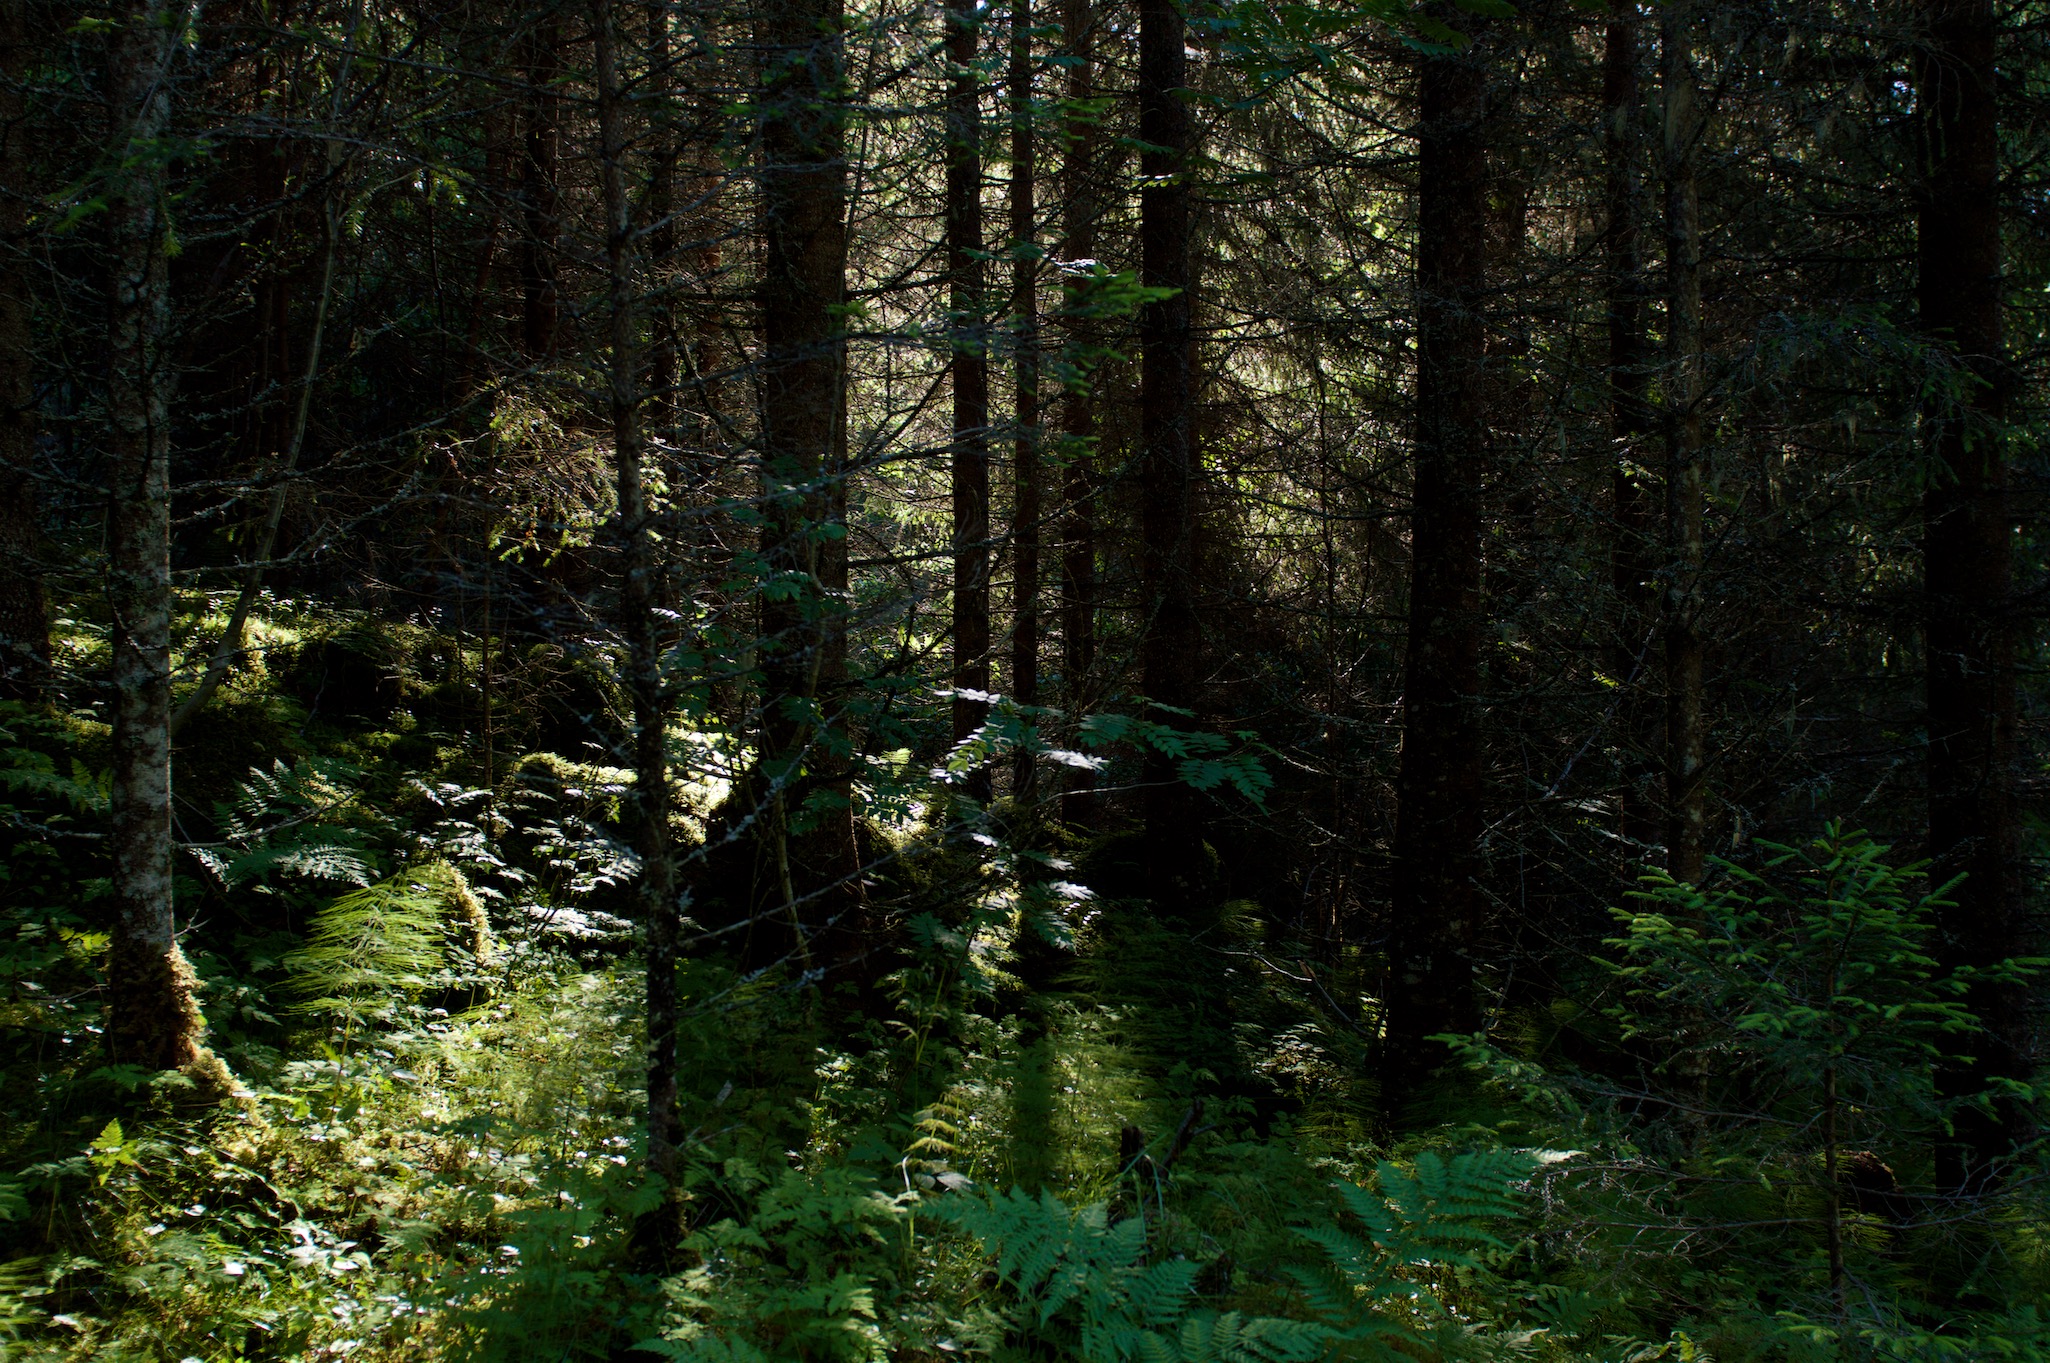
(1974, 822)
(807, 869)
(152, 1019)
(640, 596)
(1172, 644)
(1686, 727)
(24, 619)
(970, 449)
(1630, 428)
(1440, 789)
(1078, 408)
(540, 195)
(1025, 508)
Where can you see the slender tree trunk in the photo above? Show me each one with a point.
(1025, 510)
(809, 856)
(664, 348)
(1169, 653)
(496, 190)
(1630, 427)
(1078, 410)
(540, 193)
(1440, 786)
(1686, 735)
(970, 450)
(152, 1019)
(1974, 821)
(24, 619)
(640, 597)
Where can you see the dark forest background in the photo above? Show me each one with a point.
(1157, 682)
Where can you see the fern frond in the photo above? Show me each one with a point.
(704, 1348)
(366, 949)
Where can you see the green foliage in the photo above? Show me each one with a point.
(368, 951)
(1818, 962)
(1098, 1288)
(798, 1278)
(1083, 1286)
(1777, 1023)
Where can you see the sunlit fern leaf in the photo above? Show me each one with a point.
(17, 1279)
(369, 949)
(704, 1348)
(322, 855)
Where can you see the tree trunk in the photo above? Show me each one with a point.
(1630, 427)
(664, 348)
(809, 862)
(640, 597)
(540, 194)
(24, 619)
(1686, 737)
(1167, 460)
(970, 450)
(1440, 787)
(1974, 821)
(152, 1019)
(1078, 412)
(1025, 510)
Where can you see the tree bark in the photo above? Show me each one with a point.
(24, 618)
(1025, 508)
(540, 193)
(809, 862)
(1686, 732)
(152, 1018)
(1078, 410)
(970, 373)
(1172, 639)
(1440, 787)
(1630, 428)
(1974, 820)
(641, 596)
(665, 347)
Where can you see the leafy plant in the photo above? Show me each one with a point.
(368, 951)
(1088, 1285)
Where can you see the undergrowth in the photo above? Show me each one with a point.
(1065, 1127)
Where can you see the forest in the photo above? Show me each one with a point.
(1136, 681)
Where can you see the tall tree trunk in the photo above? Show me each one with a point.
(1169, 653)
(1025, 509)
(1078, 407)
(1630, 427)
(665, 348)
(152, 1019)
(1440, 786)
(1686, 736)
(970, 450)
(809, 860)
(640, 597)
(540, 193)
(24, 619)
(1974, 822)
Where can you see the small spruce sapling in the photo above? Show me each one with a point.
(1804, 992)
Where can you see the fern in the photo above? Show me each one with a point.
(367, 950)
(1428, 1227)
(19, 1280)
(1078, 1275)
(704, 1348)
